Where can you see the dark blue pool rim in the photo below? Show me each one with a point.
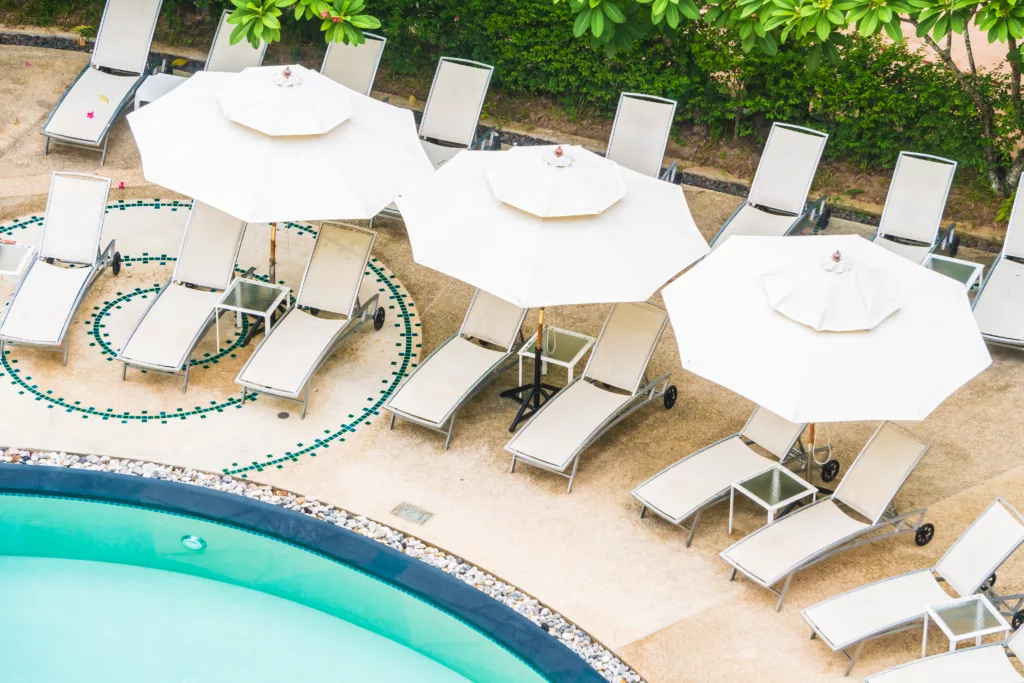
(504, 626)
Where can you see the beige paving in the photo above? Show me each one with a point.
(670, 611)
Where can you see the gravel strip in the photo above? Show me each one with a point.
(596, 655)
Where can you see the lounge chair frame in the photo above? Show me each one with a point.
(991, 338)
(106, 258)
(889, 523)
(644, 392)
(941, 239)
(356, 318)
(503, 364)
(376, 64)
(812, 212)
(104, 140)
(214, 316)
(669, 174)
(477, 139)
(1005, 645)
(795, 454)
(1007, 605)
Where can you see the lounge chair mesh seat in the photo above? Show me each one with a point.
(453, 107)
(640, 134)
(45, 301)
(899, 602)
(461, 365)
(999, 304)
(557, 434)
(983, 664)
(685, 488)
(176, 321)
(777, 203)
(354, 66)
(85, 112)
(285, 361)
(912, 214)
(818, 531)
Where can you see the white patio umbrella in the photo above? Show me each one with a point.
(826, 328)
(619, 235)
(265, 146)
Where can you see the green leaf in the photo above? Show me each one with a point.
(831, 52)
(869, 24)
(768, 45)
(672, 16)
(364, 21)
(941, 27)
(582, 23)
(271, 21)
(823, 28)
(894, 30)
(835, 16)
(237, 34)
(613, 12)
(597, 23)
(814, 58)
(689, 9)
(659, 7)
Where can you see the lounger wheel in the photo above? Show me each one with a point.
(954, 244)
(824, 218)
(115, 263)
(378, 319)
(671, 394)
(829, 471)
(924, 534)
(49, 260)
(990, 584)
(1018, 619)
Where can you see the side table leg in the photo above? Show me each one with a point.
(924, 638)
(520, 372)
(732, 500)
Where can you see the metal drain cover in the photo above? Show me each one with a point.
(411, 513)
(283, 416)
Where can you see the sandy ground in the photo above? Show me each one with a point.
(669, 611)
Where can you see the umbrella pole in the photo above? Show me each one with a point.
(810, 454)
(530, 397)
(273, 253)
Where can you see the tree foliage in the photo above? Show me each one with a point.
(341, 21)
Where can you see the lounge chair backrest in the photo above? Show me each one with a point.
(227, 58)
(74, 218)
(773, 433)
(640, 132)
(125, 35)
(1013, 245)
(209, 249)
(493, 320)
(787, 167)
(879, 471)
(455, 101)
(335, 268)
(980, 550)
(625, 345)
(354, 66)
(1016, 643)
(917, 197)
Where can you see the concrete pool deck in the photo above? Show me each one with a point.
(669, 611)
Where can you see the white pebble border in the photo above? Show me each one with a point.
(596, 655)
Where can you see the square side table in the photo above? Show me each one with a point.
(252, 297)
(963, 619)
(966, 272)
(773, 488)
(570, 347)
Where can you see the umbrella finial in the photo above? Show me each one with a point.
(559, 152)
(287, 77)
(287, 73)
(837, 257)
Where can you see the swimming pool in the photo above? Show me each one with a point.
(121, 579)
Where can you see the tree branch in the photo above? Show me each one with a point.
(1014, 78)
(970, 52)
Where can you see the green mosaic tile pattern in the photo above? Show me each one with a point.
(396, 302)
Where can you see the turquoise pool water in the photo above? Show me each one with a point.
(94, 592)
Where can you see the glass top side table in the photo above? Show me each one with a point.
(963, 619)
(773, 488)
(967, 272)
(14, 259)
(252, 297)
(569, 348)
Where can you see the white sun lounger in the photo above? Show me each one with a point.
(222, 57)
(846, 622)
(640, 134)
(453, 108)
(484, 347)
(984, 664)
(777, 203)
(183, 311)
(999, 304)
(285, 361)
(48, 295)
(913, 207)
(684, 489)
(354, 66)
(613, 385)
(87, 109)
(818, 531)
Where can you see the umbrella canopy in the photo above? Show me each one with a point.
(458, 225)
(353, 171)
(910, 339)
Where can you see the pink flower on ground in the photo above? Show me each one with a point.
(90, 115)
(28, 63)
(456, 17)
(120, 185)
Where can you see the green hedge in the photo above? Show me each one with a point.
(879, 100)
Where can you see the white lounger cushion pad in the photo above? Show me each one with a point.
(685, 487)
(751, 221)
(913, 252)
(287, 356)
(167, 332)
(72, 116)
(877, 607)
(434, 390)
(45, 303)
(555, 434)
(1000, 310)
(987, 664)
(771, 552)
